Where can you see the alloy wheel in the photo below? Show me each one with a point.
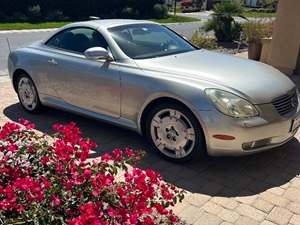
(173, 133)
(27, 94)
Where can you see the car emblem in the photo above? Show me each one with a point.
(294, 102)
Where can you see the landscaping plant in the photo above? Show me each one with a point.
(254, 33)
(51, 181)
(271, 4)
(203, 41)
(160, 11)
(223, 24)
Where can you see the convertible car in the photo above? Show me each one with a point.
(138, 74)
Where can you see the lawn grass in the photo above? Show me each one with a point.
(259, 14)
(22, 26)
(44, 25)
(176, 19)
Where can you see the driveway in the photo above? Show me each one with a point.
(259, 189)
(206, 15)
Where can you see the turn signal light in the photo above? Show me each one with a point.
(224, 137)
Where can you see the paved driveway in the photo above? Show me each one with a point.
(206, 15)
(260, 189)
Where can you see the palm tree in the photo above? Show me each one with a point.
(223, 23)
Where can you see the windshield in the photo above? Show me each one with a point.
(141, 41)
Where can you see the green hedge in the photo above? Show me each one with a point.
(40, 10)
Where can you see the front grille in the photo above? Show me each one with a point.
(286, 104)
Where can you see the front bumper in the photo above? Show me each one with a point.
(251, 135)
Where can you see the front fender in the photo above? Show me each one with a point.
(195, 108)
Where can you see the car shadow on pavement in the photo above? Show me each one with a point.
(222, 176)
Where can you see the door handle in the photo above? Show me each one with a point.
(52, 61)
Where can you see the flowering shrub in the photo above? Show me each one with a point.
(50, 181)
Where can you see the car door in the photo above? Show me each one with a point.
(93, 85)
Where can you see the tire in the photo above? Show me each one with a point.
(27, 94)
(175, 133)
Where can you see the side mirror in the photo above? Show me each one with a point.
(96, 53)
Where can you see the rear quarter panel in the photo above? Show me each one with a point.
(33, 60)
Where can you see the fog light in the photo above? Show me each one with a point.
(248, 146)
(256, 144)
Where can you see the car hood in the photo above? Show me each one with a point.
(257, 81)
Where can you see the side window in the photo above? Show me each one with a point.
(78, 40)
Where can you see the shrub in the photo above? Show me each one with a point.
(160, 11)
(50, 181)
(129, 13)
(78, 10)
(3, 17)
(34, 12)
(255, 31)
(223, 24)
(202, 41)
(55, 15)
(270, 4)
(20, 17)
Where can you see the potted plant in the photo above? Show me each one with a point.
(255, 32)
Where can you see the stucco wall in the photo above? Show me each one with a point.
(285, 44)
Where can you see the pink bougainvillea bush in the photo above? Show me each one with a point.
(50, 181)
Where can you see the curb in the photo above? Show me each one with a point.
(27, 31)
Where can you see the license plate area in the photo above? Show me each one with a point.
(295, 124)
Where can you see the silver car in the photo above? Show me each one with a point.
(143, 76)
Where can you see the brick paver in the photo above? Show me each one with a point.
(251, 212)
(293, 194)
(259, 189)
(243, 220)
(208, 219)
(263, 205)
(294, 207)
(226, 223)
(212, 208)
(295, 220)
(280, 216)
(274, 199)
(267, 222)
(229, 215)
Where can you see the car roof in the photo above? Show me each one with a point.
(108, 23)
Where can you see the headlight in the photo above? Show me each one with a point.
(230, 104)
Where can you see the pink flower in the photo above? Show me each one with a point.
(161, 209)
(45, 160)
(111, 212)
(57, 177)
(129, 153)
(27, 124)
(106, 157)
(87, 173)
(8, 129)
(117, 155)
(12, 147)
(55, 200)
